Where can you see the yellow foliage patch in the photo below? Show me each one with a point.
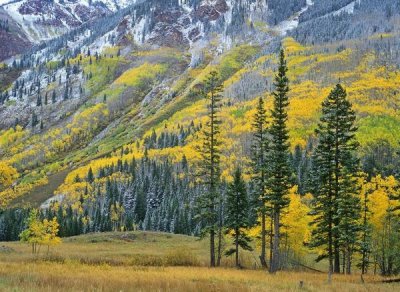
(144, 73)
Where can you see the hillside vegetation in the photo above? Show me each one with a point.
(371, 81)
(372, 89)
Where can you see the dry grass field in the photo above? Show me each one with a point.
(150, 262)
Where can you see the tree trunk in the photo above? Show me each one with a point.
(275, 251)
(330, 271)
(220, 218)
(330, 252)
(271, 242)
(212, 247)
(219, 256)
(336, 268)
(263, 240)
(348, 265)
(344, 261)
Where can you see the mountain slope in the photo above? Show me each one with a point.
(43, 20)
(36, 21)
(93, 96)
(13, 40)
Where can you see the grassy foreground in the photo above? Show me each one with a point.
(150, 262)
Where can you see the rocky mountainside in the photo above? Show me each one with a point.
(185, 25)
(35, 21)
(171, 23)
(42, 20)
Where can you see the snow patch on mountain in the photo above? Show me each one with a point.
(347, 9)
(29, 25)
(138, 30)
(115, 5)
(293, 21)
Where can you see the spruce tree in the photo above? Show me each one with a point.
(210, 164)
(39, 100)
(280, 174)
(53, 97)
(236, 215)
(66, 92)
(334, 174)
(90, 176)
(34, 120)
(259, 171)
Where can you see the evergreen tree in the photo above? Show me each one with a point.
(259, 170)
(236, 215)
(34, 120)
(53, 97)
(210, 166)
(280, 174)
(66, 92)
(335, 170)
(90, 176)
(39, 100)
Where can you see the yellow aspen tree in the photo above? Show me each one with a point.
(8, 174)
(51, 228)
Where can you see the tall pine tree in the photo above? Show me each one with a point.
(280, 174)
(259, 170)
(210, 165)
(335, 170)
